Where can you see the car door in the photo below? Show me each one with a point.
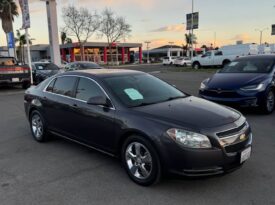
(93, 124)
(58, 104)
(206, 59)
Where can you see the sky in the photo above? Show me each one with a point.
(162, 21)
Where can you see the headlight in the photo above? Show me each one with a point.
(253, 87)
(189, 139)
(203, 84)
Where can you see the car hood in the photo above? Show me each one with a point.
(230, 81)
(190, 112)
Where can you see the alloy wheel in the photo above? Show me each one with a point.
(139, 160)
(37, 126)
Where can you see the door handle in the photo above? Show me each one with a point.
(75, 105)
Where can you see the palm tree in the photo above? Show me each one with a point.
(21, 40)
(8, 10)
(63, 37)
(190, 39)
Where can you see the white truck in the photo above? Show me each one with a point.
(212, 58)
(224, 55)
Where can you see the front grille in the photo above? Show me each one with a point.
(221, 93)
(235, 139)
(233, 131)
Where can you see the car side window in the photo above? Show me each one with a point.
(87, 88)
(64, 86)
(218, 53)
(50, 86)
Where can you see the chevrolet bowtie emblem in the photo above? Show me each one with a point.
(242, 137)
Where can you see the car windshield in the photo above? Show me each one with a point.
(46, 66)
(249, 65)
(141, 89)
(87, 65)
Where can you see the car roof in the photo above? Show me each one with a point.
(102, 73)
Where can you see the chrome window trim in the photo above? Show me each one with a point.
(78, 76)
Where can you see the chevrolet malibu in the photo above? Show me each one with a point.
(154, 128)
(245, 82)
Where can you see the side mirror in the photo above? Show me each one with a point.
(98, 100)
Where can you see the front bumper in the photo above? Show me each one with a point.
(206, 162)
(252, 100)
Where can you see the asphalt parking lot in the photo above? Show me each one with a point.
(60, 172)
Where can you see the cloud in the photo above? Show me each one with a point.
(243, 37)
(164, 41)
(145, 4)
(170, 28)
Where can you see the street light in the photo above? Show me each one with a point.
(261, 33)
(192, 30)
(147, 43)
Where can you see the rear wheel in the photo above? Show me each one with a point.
(26, 85)
(196, 65)
(269, 102)
(38, 127)
(141, 161)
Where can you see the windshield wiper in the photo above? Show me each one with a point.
(174, 98)
(144, 104)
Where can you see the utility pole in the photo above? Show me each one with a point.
(53, 31)
(192, 30)
(261, 33)
(148, 57)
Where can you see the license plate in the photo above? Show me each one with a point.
(245, 155)
(15, 80)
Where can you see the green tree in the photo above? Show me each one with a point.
(189, 38)
(21, 41)
(8, 10)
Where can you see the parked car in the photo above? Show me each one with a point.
(183, 61)
(43, 70)
(169, 60)
(152, 126)
(212, 58)
(81, 65)
(11, 73)
(246, 82)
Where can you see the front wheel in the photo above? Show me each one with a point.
(141, 161)
(269, 102)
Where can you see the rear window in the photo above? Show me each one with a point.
(249, 65)
(64, 86)
(46, 66)
(7, 62)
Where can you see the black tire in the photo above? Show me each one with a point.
(225, 62)
(26, 85)
(171, 63)
(36, 116)
(196, 65)
(268, 104)
(154, 174)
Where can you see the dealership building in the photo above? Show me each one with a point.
(92, 51)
